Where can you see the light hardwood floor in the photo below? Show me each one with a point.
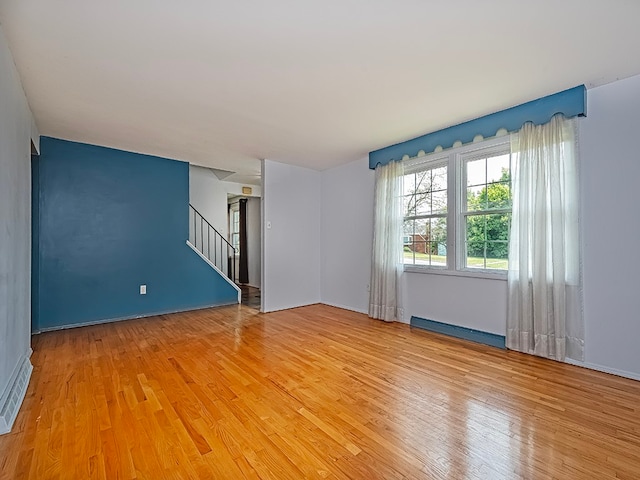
(313, 392)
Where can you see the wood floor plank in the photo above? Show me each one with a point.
(313, 392)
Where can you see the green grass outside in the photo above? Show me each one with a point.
(472, 262)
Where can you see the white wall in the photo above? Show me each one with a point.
(477, 303)
(610, 173)
(234, 188)
(16, 130)
(291, 255)
(254, 245)
(346, 235)
(209, 196)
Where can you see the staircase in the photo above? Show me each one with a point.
(211, 244)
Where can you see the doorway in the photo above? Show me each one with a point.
(245, 236)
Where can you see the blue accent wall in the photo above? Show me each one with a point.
(110, 221)
(571, 103)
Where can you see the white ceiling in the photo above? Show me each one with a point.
(311, 83)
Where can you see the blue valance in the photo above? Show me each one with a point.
(571, 103)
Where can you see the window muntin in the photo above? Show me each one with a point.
(457, 209)
(425, 204)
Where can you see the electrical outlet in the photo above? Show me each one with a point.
(143, 289)
(368, 287)
(268, 225)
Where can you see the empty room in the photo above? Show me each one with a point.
(332, 240)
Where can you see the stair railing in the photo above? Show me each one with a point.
(210, 243)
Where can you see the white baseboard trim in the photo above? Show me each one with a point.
(344, 307)
(330, 304)
(132, 317)
(279, 308)
(14, 393)
(600, 368)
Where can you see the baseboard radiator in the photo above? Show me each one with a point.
(13, 396)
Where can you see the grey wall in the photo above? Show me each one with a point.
(16, 130)
(610, 171)
(254, 245)
(291, 263)
(346, 233)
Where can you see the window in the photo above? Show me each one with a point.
(235, 229)
(457, 209)
(425, 215)
(486, 209)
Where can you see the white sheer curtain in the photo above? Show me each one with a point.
(385, 297)
(545, 282)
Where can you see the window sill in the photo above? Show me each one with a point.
(502, 276)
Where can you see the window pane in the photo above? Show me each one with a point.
(476, 172)
(496, 263)
(409, 205)
(407, 231)
(411, 239)
(438, 254)
(439, 231)
(487, 241)
(421, 229)
(423, 203)
(407, 239)
(423, 182)
(409, 183)
(412, 253)
(498, 168)
(475, 262)
(476, 198)
(476, 237)
(498, 195)
(488, 183)
(488, 262)
(427, 242)
(438, 242)
(497, 230)
(425, 239)
(439, 178)
(420, 249)
(439, 202)
(409, 258)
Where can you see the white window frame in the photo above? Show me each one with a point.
(233, 209)
(454, 159)
(428, 163)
